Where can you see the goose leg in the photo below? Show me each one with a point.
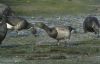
(65, 43)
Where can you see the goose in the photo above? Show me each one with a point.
(58, 33)
(3, 29)
(91, 24)
(19, 23)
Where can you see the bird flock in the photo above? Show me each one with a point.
(9, 21)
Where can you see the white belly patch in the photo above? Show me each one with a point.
(63, 33)
(9, 26)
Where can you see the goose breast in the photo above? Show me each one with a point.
(62, 33)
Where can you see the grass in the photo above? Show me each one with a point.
(48, 7)
(25, 49)
(23, 45)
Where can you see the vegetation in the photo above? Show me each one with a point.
(27, 51)
(23, 45)
(51, 7)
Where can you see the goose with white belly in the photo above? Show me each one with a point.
(58, 33)
(18, 23)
